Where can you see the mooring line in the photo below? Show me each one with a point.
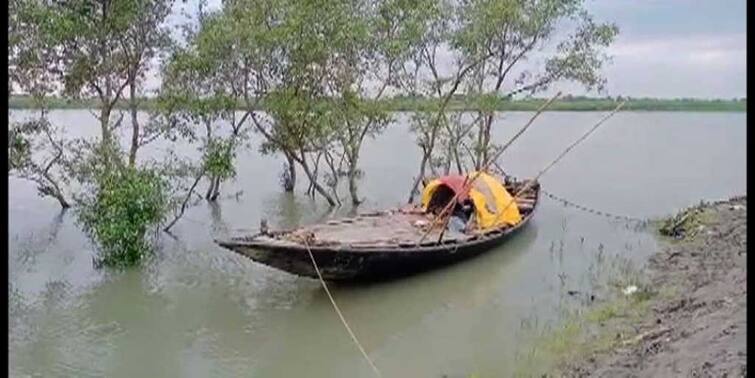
(594, 211)
(340, 315)
(445, 213)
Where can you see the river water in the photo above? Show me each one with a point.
(196, 310)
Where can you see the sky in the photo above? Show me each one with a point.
(667, 48)
(676, 48)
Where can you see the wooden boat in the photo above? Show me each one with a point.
(377, 245)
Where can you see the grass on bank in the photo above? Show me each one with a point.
(601, 327)
(585, 332)
(686, 223)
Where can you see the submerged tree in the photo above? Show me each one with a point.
(89, 49)
(143, 40)
(203, 85)
(36, 151)
(561, 33)
(490, 40)
(120, 212)
(308, 40)
(423, 76)
(310, 60)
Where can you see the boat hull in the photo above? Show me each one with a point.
(344, 265)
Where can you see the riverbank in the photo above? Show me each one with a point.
(694, 321)
(401, 104)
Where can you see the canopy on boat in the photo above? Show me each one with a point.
(494, 206)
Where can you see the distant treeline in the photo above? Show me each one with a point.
(578, 103)
(460, 102)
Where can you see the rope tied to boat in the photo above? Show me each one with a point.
(338, 311)
(626, 218)
(445, 214)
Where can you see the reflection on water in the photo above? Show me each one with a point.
(197, 310)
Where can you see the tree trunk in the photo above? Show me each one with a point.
(57, 193)
(134, 124)
(107, 144)
(105, 125)
(290, 184)
(353, 187)
(457, 159)
(316, 184)
(480, 133)
(216, 190)
(105, 112)
(418, 180)
(486, 140)
(63, 203)
(210, 188)
(447, 156)
(53, 190)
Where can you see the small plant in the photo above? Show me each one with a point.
(686, 223)
(126, 204)
(19, 150)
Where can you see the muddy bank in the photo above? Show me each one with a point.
(695, 325)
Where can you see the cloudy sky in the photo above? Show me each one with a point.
(676, 48)
(670, 48)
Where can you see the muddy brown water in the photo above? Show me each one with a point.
(196, 310)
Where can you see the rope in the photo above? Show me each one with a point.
(529, 183)
(591, 210)
(594, 211)
(338, 311)
(468, 182)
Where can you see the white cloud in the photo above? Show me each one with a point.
(688, 45)
(692, 66)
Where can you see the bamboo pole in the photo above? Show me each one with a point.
(467, 182)
(566, 151)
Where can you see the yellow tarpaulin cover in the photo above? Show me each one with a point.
(488, 195)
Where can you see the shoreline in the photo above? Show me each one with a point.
(692, 320)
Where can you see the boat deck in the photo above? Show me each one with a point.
(391, 228)
(379, 229)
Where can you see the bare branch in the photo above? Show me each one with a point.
(511, 65)
(185, 202)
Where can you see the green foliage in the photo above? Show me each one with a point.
(686, 223)
(585, 331)
(125, 205)
(94, 46)
(218, 159)
(484, 102)
(401, 24)
(19, 149)
(36, 153)
(80, 49)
